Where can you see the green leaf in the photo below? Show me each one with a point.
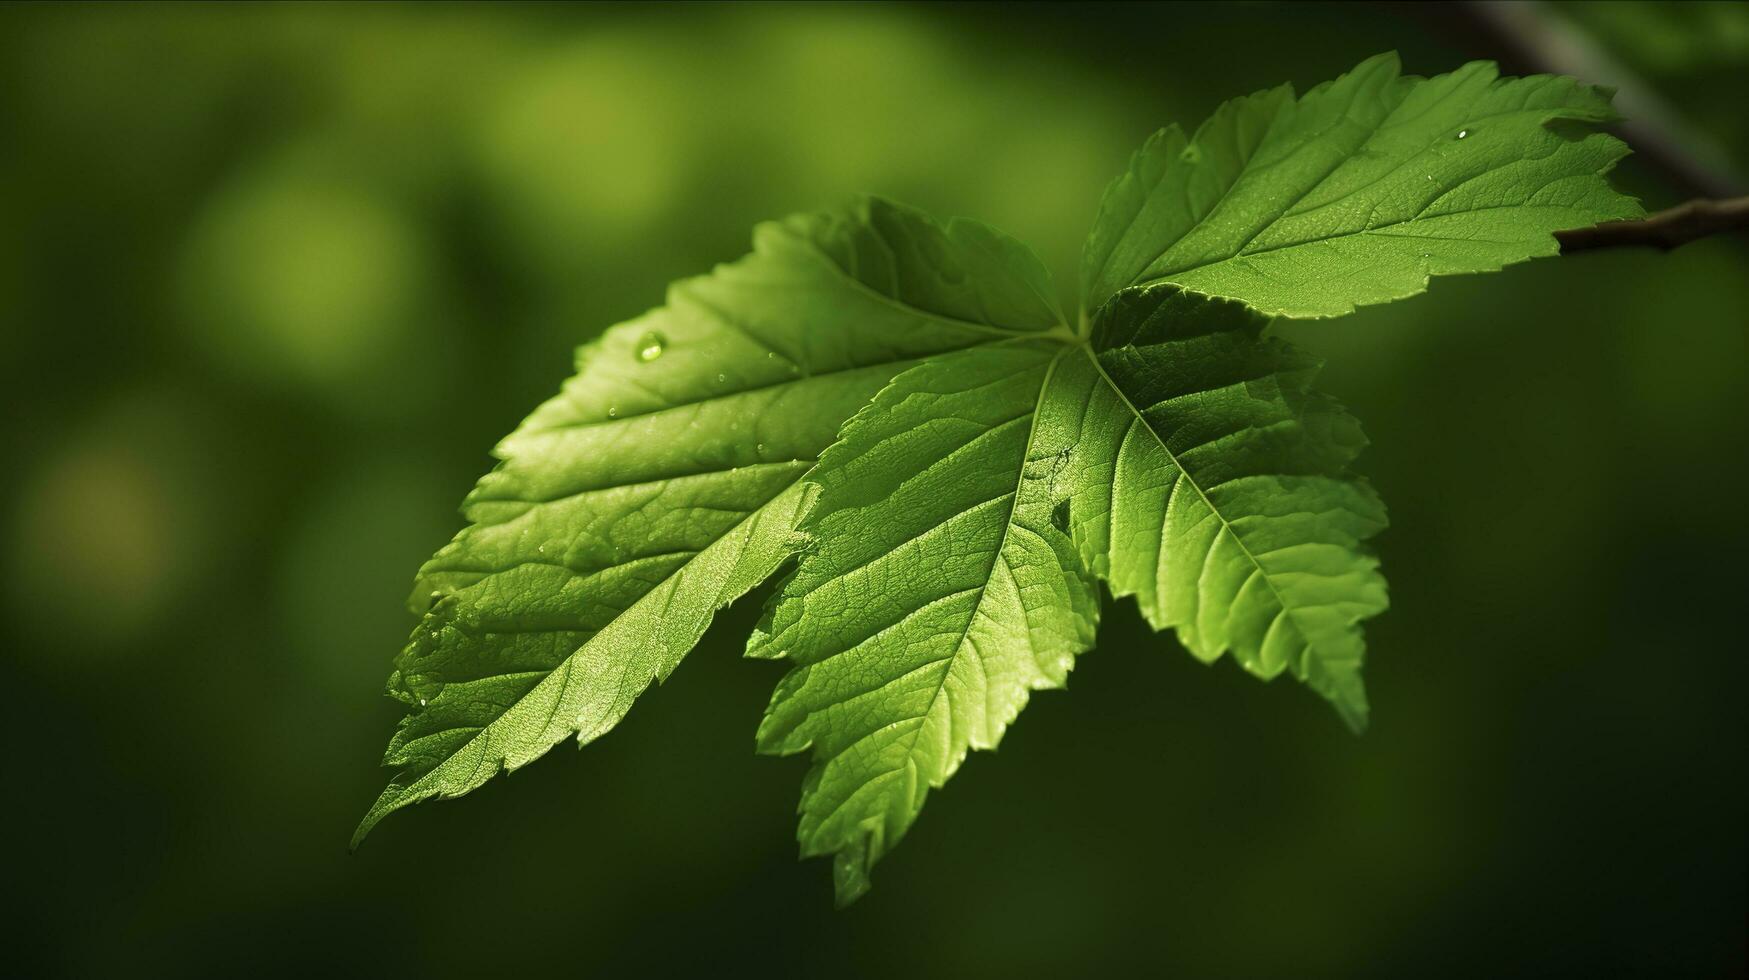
(662, 482)
(1212, 484)
(955, 527)
(934, 596)
(1359, 191)
(901, 407)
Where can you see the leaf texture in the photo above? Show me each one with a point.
(955, 529)
(935, 594)
(1358, 191)
(662, 482)
(1210, 482)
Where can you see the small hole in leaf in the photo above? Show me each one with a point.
(1060, 516)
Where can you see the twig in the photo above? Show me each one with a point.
(1664, 230)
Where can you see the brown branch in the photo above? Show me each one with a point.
(1664, 230)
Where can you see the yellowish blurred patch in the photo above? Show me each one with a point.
(111, 530)
(300, 279)
(589, 141)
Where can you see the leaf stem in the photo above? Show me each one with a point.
(1664, 230)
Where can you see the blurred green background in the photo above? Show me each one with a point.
(274, 279)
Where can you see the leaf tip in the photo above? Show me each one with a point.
(1355, 712)
(850, 879)
(365, 826)
(393, 797)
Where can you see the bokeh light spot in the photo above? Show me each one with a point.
(299, 280)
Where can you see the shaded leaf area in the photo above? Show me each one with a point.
(1214, 486)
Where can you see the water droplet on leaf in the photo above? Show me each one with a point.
(651, 347)
(1463, 133)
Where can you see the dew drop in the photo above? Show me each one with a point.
(613, 411)
(421, 702)
(1463, 133)
(722, 378)
(759, 448)
(651, 347)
